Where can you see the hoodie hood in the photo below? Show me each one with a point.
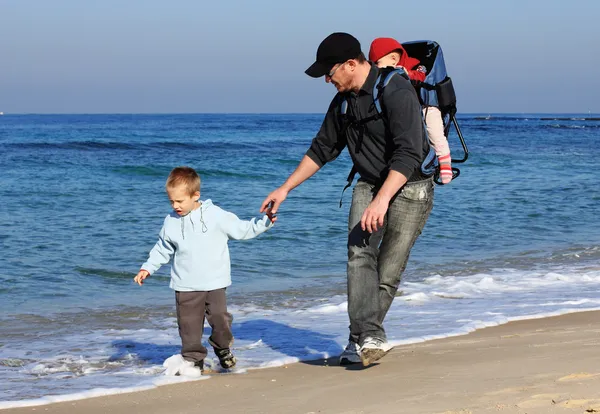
(385, 45)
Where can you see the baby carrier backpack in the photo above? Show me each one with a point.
(437, 90)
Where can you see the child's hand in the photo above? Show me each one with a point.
(139, 278)
(269, 213)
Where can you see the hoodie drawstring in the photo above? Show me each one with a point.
(204, 228)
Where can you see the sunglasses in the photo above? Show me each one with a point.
(330, 74)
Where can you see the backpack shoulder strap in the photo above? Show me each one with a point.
(382, 81)
(429, 164)
(344, 107)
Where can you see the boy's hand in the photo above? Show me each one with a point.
(270, 214)
(139, 278)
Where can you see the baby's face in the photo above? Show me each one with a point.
(387, 60)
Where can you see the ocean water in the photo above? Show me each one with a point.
(82, 200)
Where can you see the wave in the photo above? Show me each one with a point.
(114, 145)
(138, 170)
(231, 174)
(111, 274)
(571, 119)
(256, 145)
(527, 118)
(553, 126)
(77, 145)
(145, 171)
(496, 118)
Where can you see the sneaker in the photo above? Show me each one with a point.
(351, 354)
(190, 369)
(226, 358)
(373, 349)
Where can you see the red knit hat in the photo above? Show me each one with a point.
(382, 46)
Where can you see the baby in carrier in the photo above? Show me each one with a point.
(386, 51)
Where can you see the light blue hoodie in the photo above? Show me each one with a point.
(197, 242)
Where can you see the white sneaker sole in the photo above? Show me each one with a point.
(368, 356)
(350, 359)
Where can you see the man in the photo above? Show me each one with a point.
(392, 199)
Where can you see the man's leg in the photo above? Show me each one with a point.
(363, 280)
(406, 218)
(190, 319)
(220, 320)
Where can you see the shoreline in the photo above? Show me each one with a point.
(532, 365)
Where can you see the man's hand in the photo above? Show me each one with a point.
(374, 215)
(372, 218)
(272, 202)
(269, 213)
(139, 278)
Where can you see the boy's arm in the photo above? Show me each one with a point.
(244, 229)
(160, 254)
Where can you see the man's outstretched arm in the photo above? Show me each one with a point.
(306, 169)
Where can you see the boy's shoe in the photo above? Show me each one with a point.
(373, 349)
(175, 365)
(350, 355)
(226, 358)
(190, 369)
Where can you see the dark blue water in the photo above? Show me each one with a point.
(83, 199)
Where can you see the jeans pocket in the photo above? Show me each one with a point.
(417, 192)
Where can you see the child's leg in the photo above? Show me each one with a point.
(190, 319)
(435, 131)
(219, 319)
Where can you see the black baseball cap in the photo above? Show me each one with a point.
(335, 48)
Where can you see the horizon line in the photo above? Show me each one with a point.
(270, 113)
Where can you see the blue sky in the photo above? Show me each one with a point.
(140, 56)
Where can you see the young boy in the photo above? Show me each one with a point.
(386, 51)
(195, 236)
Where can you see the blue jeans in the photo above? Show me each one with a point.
(376, 260)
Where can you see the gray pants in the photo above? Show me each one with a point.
(376, 261)
(191, 310)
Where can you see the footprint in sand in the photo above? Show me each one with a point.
(591, 406)
(542, 400)
(506, 391)
(547, 400)
(557, 400)
(578, 376)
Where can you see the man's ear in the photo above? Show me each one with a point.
(352, 64)
(196, 196)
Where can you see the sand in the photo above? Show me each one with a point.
(549, 365)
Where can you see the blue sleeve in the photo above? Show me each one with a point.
(238, 229)
(161, 253)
